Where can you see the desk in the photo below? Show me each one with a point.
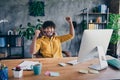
(68, 72)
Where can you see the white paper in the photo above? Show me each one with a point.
(27, 65)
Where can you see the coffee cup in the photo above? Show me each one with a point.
(37, 69)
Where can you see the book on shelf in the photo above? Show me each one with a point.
(93, 26)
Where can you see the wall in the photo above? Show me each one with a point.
(16, 12)
(114, 6)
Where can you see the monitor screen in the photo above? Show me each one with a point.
(90, 40)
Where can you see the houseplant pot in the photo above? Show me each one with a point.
(18, 72)
(3, 72)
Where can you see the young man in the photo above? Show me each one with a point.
(49, 44)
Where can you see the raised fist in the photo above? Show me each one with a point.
(37, 32)
(68, 19)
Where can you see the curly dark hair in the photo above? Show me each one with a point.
(48, 24)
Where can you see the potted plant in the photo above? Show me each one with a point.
(3, 72)
(18, 72)
(115, 25)
(29, 31)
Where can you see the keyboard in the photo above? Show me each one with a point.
(95, 66)
(114, 63)
(98, 66)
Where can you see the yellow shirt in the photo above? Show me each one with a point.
(51, 47)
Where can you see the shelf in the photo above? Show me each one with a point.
(13, 42)
(15, 47)
(14, 57)
(11, 57)
(97, 23)
(3, 47)
(95, 20)
(94, 13)
(10, 36)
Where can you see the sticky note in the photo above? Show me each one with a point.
(85, 71)
(47, 73)
(93, 71)
(54, 74)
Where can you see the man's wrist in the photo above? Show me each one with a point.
(34, 38)
(70, 22)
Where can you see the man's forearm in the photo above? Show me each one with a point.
(69, 20)
(33, 46)
(71, 28)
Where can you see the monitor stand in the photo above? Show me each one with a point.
(102, 60)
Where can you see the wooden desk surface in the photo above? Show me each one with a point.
(68, 72)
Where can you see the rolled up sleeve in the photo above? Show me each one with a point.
(64, 38)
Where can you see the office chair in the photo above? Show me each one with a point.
(39, 55)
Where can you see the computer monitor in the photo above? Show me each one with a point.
(91, 40)
(94, 44)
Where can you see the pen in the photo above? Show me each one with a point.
(3, 66)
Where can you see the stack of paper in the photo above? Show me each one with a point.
(27, 65)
